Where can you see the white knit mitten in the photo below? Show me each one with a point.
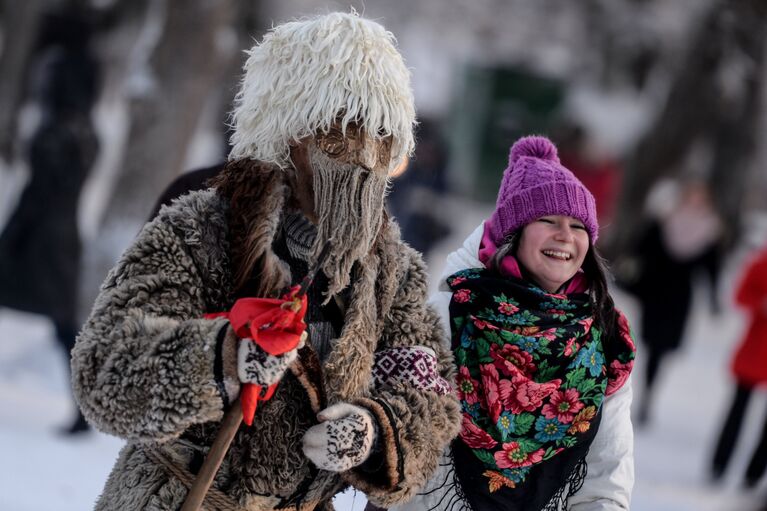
(343, 439)
(254, 365)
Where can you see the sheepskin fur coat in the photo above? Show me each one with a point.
(145, 368)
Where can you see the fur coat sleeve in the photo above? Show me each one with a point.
(143, 366)
(610, 461)
(417, 420)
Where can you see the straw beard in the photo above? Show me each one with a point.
(349, 204)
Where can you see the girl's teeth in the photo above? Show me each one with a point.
(559, 255)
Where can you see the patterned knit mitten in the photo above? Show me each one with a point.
(255, 365)
(343, 439)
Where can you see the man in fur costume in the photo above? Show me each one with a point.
(325, 112)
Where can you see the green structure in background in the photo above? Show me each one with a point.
(496, 106)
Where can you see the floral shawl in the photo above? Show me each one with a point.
(533, 373)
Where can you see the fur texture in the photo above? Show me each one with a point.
(307, 74)
(253, 222)
(144, 368)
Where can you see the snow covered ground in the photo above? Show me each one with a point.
(41, 469)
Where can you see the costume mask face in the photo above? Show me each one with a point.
(356, 148)
(348, 176)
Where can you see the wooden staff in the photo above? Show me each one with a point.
(232, 420)
(219, 448)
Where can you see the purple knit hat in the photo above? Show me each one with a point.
(534, 185)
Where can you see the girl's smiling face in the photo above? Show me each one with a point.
(552, 250)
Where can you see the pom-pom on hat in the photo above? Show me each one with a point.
(535, 185)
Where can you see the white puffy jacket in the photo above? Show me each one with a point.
(610, 460)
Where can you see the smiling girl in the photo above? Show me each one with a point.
(543, 356)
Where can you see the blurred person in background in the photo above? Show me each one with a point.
(196, 179)
(683, 236)
(598, 173)
(544, 357)
(40, 246)
(749, 369)
(416, 196)
(325, 112)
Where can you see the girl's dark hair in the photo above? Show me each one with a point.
(605, 315)
(595, 268)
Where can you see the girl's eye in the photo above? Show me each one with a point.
(579, 226)
(546, 220)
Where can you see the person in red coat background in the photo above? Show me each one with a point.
(749, 366)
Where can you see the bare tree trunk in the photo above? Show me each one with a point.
(20, 28)
(700, 105)
(186, 65)
(249, 26)
(739, 110)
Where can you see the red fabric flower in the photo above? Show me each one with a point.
(511, 360)
(550, 334)
(474, 436)
(624, 331)
(563, 406)
(526, 395)
(492, 395)
(571, 347)
(467, 386)
(507, 308)
(276, 325)
(482, 324)
(513, 456)
(617, 375)
(462, 295)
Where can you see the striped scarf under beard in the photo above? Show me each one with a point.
(349, 204)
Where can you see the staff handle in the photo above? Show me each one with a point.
(229, 426)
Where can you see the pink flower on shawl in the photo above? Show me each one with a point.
(617, 374)
(571, 347)
(513, 456)
(507, 308)
(524, 395)
(482, 324)
(492, 394)
(563, 406)
(462, 296)
(467, 386)
(511, 360)
(473, 436)
(549, 333)
(624, 330)
(458, 280)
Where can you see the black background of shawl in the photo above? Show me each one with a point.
(542, 483)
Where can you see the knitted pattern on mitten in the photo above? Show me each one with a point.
(344, 438)
(254, 365)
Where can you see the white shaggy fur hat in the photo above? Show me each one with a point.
(306, 73)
